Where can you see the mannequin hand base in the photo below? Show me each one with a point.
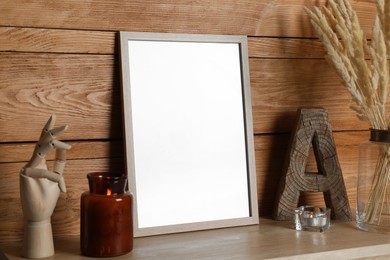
(38, 239)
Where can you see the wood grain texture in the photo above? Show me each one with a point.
(281, 18)
(268, 240)
(83, 91)
(61, 57)
(17, 39)
(56, 41)
(280, 86)
(22, 152)
(285, 48)
(312, 132)
(270, 151)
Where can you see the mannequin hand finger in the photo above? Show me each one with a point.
(61, 184)
(49, 125)
(43, 149)
(47, 142)
(56, 131)
(60, 160)
(51, 134)
(60, 145)
(59, 166)
(42, 173)
(60, 155)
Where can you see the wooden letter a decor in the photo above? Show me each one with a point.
(312, 130)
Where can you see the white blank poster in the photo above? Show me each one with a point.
(188, 130)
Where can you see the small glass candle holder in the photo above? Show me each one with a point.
(106, 224)
(312, 218)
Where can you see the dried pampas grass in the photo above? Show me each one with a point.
(367, 80)
(363, 67)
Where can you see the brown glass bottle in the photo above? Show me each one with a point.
(106, 224)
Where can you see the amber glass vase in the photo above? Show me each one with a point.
(106, 225)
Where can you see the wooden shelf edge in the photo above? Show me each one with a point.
(268, 240)
(361, 253)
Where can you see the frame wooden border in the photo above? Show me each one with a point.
(127, 121)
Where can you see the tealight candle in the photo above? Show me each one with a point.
(106, 226)
(312, 218)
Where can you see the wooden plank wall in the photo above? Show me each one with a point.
(62, 57)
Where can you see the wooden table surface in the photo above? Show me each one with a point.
(269, 239)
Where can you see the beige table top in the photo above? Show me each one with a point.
(269, 239)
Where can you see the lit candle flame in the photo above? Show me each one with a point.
(108, 192)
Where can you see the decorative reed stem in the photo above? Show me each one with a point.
(367, 80)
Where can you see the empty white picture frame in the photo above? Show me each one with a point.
(188, 131)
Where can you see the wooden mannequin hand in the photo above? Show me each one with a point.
(39, 192)
(40, 187)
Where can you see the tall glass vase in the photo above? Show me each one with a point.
(373, 189)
